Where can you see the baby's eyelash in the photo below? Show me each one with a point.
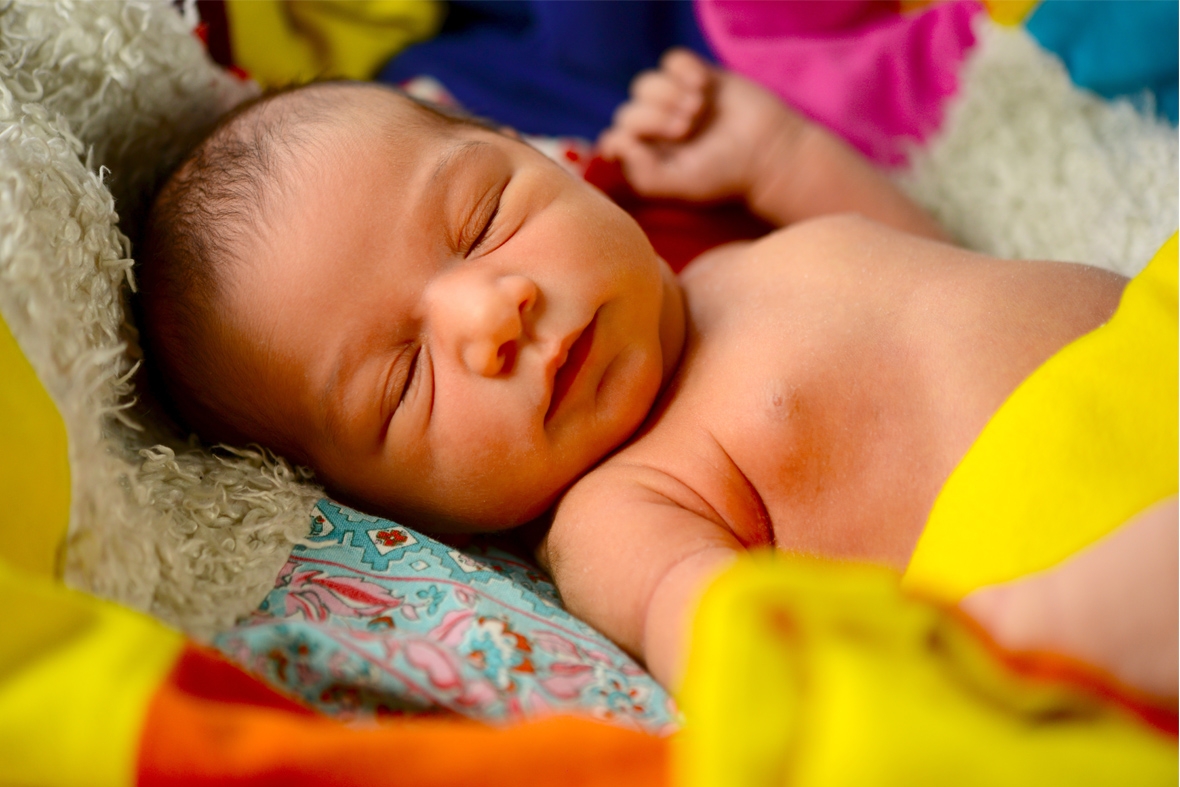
(487, 226)
(410, 373)
(394, 396)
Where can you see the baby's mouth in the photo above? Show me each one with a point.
(567, 373)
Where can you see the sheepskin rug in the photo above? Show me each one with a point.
(1030, 167)
(99, 99)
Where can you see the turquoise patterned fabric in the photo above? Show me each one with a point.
(370, 618)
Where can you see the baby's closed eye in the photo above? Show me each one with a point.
(403, 374)
(483, 220)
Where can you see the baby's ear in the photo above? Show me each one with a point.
(509, 131)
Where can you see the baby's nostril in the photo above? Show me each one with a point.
(524, 291)
(507, 356)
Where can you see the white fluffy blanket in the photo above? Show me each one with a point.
(98, 99)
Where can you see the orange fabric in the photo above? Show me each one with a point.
(1055, 668)
(211, 724)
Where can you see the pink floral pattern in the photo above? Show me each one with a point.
(369, 618)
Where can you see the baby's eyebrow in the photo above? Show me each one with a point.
(454, 155)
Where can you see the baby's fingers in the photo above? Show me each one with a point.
(687, 69)
(669, 103)
(649, 120)
(660, 89)
(614, 144)
(640, 161)
(650, 167)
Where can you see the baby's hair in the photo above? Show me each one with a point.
(209, 207)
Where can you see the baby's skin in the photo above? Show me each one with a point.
(833, 376)
(503, 344)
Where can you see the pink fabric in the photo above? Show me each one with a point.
(877, 77)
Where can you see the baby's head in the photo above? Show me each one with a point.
(441, 322)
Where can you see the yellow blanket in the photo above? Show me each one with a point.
(1085, 443)
(807, 672)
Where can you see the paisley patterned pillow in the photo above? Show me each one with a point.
(370, 618)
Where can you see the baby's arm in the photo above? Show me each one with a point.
(631, 561)
(697, 133)
(1113, 605)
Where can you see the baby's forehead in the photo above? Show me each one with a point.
(308, 133)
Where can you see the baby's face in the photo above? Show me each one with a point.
(443, 323)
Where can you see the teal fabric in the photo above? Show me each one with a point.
(1115, 47)
(370, 618)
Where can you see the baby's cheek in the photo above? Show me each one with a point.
(630, 385)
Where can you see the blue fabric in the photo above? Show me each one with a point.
(553, 68)
(370, 618)
(1115, 47)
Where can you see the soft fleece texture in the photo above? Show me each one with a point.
(1025, 166)
(97, 99)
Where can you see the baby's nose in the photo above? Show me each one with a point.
(496, 323)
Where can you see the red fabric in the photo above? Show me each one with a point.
(214, 31)
(203, 674)
(209, 723)
(679, 231)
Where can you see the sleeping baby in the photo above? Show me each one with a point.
(454, 332)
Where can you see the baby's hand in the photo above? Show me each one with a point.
(693, 132)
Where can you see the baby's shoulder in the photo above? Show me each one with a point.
(788, 255)
(629, 482)
(622, 480)
(626, 502)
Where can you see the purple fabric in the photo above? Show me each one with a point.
(549, 68)
(877, 77)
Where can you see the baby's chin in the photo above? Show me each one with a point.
(487, 518)
(483, 505)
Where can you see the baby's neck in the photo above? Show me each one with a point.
(672, 325)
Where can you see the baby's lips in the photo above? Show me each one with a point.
(555, 361)
(559, 385)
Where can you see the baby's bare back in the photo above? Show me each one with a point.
(833, 376)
